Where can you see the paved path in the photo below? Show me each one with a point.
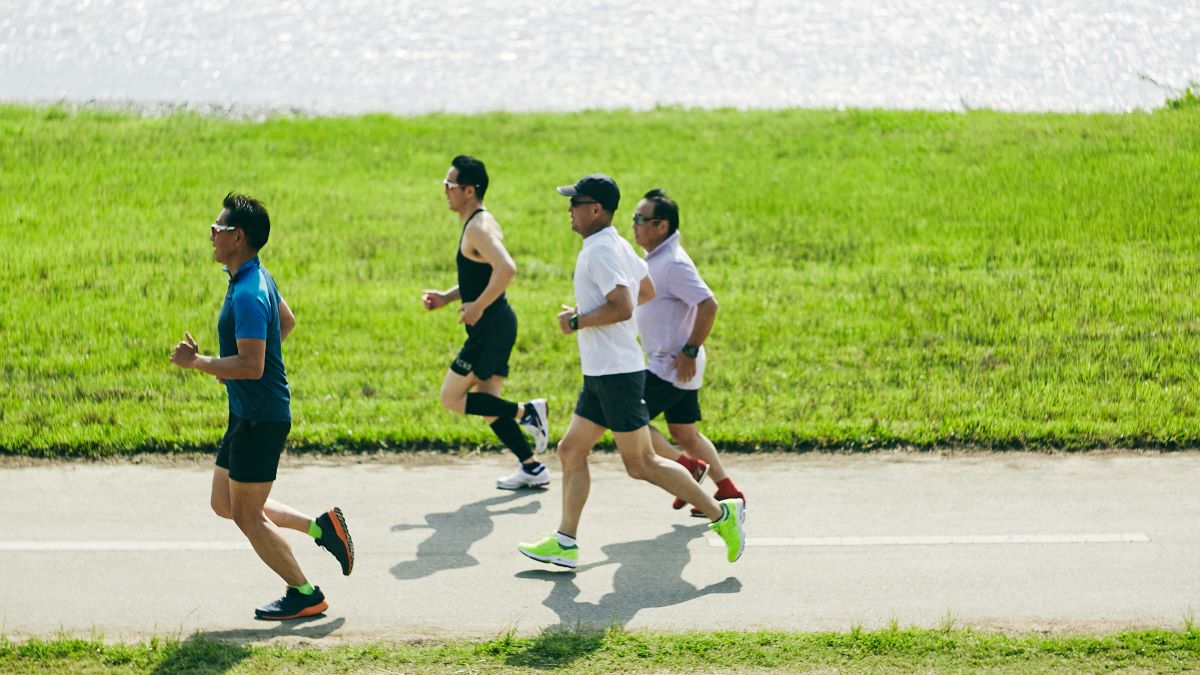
(836, 542)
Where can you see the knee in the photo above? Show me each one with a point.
(637, 468)
(248, 520)
(569, 457)
(221, 507)
(449, 402)
(685, 436)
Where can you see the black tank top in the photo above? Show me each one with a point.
(473, 276)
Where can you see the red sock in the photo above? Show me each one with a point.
(687, 462)
(727, 490)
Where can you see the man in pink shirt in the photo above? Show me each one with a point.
(673, 327)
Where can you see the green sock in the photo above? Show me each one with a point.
(306, 589)
(314, 530)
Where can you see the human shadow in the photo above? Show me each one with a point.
(649, 574)
(455, 532)
(221, 651)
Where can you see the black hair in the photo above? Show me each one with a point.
(250, 215)
(471, 172)
(665, 208)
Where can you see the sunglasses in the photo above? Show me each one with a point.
(217, 228)
(450, 185)
(639, 219)
(580, 202)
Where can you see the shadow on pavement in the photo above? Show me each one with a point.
(220, 651)
(650, 574)
(455, 532)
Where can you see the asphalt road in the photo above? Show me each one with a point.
(126, 551)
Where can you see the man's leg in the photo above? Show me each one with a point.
(663, 448)
(455, 388)
(248, 501)
(333, 538)
(559, 548)
(280, 514)
(582, 435)
(469, 395)
(531, 473)
(641, 462)
(726, 517)
(697, 445)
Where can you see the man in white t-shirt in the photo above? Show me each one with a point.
(610, 280)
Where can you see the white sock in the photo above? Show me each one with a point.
(724, 512)
(564, 540)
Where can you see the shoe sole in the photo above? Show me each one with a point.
(523, 486)
(541, 435)
(550, 559)
(343, 533)
(741, 521)
(307, 611)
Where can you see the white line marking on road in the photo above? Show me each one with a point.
(943, 540)
(122, 546)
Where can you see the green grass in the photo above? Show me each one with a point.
(886, 277)
(617, 650)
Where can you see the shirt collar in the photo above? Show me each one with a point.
(602, 233)
(246, 266)
(669, 244)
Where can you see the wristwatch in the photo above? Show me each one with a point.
(691, 351)
(573, 322)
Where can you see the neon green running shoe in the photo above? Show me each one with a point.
(731, 527)
(550, 551)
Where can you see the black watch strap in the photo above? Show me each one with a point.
(573, 322)
(691, 351)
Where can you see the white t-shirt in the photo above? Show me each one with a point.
(608, 261)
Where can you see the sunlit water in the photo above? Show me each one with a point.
(353, 56)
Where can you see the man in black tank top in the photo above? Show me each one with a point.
(476, 376)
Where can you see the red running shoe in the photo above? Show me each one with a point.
(719, 496)
(699, 469)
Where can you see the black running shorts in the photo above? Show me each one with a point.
(489, 343)
(682, 406)
(250, 449)
(614, 401)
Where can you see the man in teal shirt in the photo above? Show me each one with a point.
(251, 328)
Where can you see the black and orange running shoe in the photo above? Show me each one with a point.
(335, 538)
(293, 605)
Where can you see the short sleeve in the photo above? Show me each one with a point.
(605, 271)
(687, 285)
(250, 313)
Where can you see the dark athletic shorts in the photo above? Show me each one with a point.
(250, 449)
(614, 401)
(489, 343)
(682, 406)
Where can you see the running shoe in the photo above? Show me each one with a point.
(540, 478)
(293, 605)
(697, 513)
(538, 423)
(699, 469)
(335, 538)
(732, 529)
(550, 551)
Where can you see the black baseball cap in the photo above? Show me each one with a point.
(598, 186)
